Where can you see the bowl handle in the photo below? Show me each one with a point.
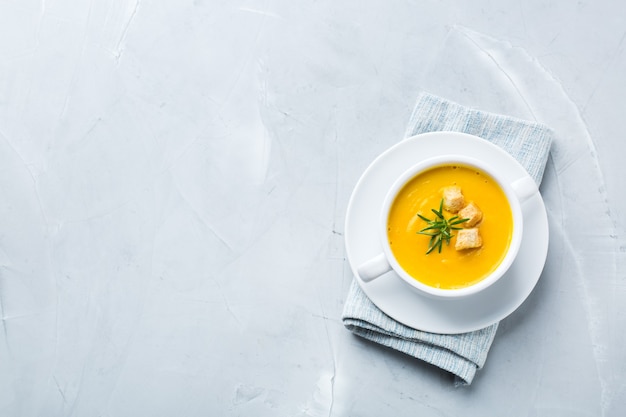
(524, 188)
(373, 268)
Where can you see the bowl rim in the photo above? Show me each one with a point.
(514, 245)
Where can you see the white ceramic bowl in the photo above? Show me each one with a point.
(515, 193)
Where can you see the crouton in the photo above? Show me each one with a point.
(468, 239)
(471, 212)
(453, 200)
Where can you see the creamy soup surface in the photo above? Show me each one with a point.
(451, 268)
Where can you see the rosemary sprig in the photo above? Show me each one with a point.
(439, 229)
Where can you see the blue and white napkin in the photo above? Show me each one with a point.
(461, 354)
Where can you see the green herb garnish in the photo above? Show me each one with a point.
(439, 229)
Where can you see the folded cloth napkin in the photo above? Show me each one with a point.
(461, 354)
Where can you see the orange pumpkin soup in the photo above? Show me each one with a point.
(450, 268)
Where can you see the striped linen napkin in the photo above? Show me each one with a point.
(461, 354)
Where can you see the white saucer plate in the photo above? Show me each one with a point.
(395, 297)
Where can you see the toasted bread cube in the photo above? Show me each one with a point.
(471, 212)
(468, 239)
(453, 200)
